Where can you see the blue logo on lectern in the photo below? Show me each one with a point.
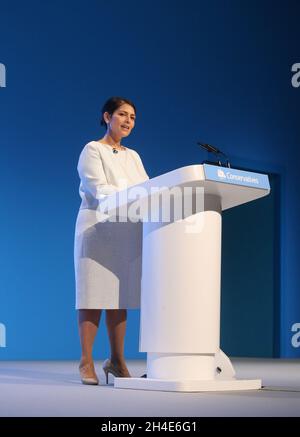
(237, 177)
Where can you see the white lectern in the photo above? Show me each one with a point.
(181, 271)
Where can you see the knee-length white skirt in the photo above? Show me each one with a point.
(108, 262)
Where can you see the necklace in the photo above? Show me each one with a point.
(122, 160)
(115, 148)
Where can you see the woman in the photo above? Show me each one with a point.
(107, 254)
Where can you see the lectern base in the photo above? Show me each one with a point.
(187, 386)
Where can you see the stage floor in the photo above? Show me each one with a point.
(53, 388)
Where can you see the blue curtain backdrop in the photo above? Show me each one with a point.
(218, 71)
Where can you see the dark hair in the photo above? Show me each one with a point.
(112, 104)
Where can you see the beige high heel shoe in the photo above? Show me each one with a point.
(109, 367)
(88, 380)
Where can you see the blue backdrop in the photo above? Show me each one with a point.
(219, 71)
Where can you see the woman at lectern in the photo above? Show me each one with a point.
(107, 254)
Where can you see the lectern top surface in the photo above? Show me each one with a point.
(234, 187)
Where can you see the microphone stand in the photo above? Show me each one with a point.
(211, 149)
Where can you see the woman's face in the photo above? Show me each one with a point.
(122, 120)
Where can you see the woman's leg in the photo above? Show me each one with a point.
(88, 323)
(116, 327)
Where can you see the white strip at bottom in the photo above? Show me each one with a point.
(187, 386)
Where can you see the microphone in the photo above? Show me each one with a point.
(115, 151)
(215, 150)
(209, 147)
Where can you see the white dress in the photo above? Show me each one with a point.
(107, 255)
